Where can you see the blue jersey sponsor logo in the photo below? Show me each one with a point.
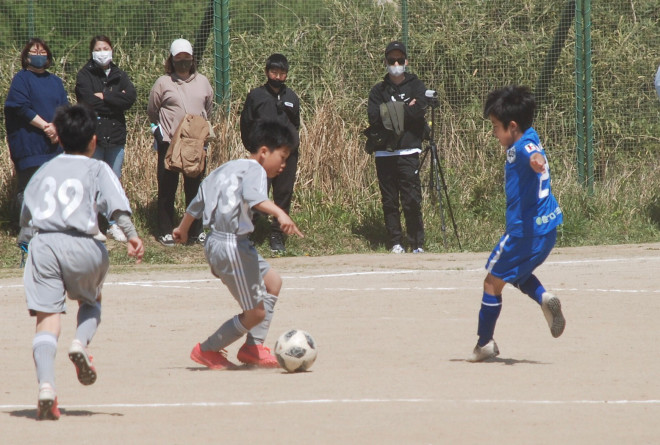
(545, 219)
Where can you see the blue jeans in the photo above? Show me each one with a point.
(114, 157)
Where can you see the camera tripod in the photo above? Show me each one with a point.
(436, 176)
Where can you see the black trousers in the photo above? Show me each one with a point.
(282, 186)
(168, 182)
(400, 187)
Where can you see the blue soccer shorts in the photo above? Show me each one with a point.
(514, 259)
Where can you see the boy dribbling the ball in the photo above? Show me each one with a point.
(532, 217)
(61, 202)
(225, 201)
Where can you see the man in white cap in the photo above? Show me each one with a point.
(182, 90)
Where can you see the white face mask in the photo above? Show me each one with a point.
(396, 70)
(102, 58)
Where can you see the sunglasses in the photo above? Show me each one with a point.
(392, 60)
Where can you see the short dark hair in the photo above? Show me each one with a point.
(271, 134)
(26, 51)
(278, 61)
(511, 103)
(99, 38)
(75, 125)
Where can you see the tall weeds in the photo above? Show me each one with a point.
(460, 49)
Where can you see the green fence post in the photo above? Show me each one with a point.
(30, 20)
(221, 51)
(588, 106)
(579, 88)
(404, 22)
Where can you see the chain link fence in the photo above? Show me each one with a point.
(461, 49)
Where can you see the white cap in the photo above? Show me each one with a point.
(181, 46)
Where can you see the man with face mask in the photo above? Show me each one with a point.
(275, 101)
(396, 110)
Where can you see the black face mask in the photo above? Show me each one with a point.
(275, 83)
(182, 65)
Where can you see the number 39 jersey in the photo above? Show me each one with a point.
(531, 209)
(225, 197)
(68, 192)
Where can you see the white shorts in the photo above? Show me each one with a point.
(61, 263)
(237, 263)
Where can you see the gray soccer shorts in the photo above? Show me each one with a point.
(60, 264)
(237, 263)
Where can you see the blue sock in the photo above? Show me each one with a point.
(491, 305)
(533, 288)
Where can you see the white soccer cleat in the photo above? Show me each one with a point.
(551, 307)
(398, 248)
(115, 231)
(481, 353)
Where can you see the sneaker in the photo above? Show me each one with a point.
(47, 404)
(211, 359)
(277, 243)
(418, 250)
(258, 355)
(83, 361)
(551, 307)
(115, 231)
(481, 353)
(166, 240)
(100, 237)
(201, 239)
(398, 248)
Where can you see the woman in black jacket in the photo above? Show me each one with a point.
(107, 89)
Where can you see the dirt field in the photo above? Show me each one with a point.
(393, 334)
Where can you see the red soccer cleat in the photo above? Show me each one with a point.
(47, 405)
(258, 355)
(83, 361)
(211, 359)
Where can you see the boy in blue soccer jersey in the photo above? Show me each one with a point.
(532, 217)
(225, 202)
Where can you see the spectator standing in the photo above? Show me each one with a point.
(275, 101)
(33, 97)
(182, 90)
(397, 108)
(107, 89)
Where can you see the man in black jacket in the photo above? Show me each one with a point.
(396, 110)
(275, 101)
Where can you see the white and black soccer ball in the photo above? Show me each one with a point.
(295, 350)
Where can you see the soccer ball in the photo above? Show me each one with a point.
(295, 350)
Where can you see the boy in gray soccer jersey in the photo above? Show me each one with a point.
(225, 201)
(61, 202)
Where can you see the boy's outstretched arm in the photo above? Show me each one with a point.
(180, 234)
(135, 246)
(286, 223)
(537, 162)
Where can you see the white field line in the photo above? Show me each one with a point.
(185, 284)
(346, 401)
